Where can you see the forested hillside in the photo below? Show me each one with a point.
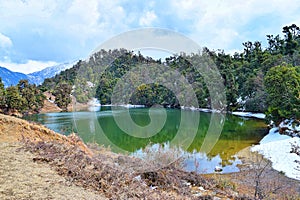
(257, 79)
(22, 98)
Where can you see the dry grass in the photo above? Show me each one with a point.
(111, 174)
(22, 178)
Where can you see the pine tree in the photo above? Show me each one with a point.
(283, 88)
(2, 95)
(62, 94)
(14, 101)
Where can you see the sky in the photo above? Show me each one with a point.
(35, 34)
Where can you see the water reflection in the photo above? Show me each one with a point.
(100, 127)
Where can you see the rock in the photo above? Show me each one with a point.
(153, 187)
(138, 178)
(199, 194)
(201, 188)
(186, 183)
(218, 169)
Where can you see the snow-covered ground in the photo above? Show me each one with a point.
(94, 102)
(132, 106)
(125, 105)
(250, 114)
(277, 148)
(238, 113)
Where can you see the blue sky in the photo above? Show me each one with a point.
(35, 34)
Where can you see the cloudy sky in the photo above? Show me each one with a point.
(35, 34)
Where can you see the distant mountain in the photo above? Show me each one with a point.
(12, 78)
(39, 76)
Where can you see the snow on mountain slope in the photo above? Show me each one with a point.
(12, 78)
(40, 76)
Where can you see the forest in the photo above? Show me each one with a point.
(24, 98)
(257, 79)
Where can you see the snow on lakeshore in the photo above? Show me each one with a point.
(250, 114)
(239, 113)
(124, 105)
(94, 102)
(277, 148)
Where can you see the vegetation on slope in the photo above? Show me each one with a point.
(22, 98)
(257, 79)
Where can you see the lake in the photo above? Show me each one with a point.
(131, 130)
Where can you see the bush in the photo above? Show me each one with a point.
(283, 87)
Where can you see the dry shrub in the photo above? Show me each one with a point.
(112, 175)
(160, 156)
(101, 172)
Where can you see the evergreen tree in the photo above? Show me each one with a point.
(2, 95)
(33, 99)
(283, 87)
(14, 101)
(62, 94)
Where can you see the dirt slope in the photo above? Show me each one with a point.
(15, 130)
(21, 178)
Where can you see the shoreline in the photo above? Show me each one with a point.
(101, 172)
(222, 186)
(260, 116)
(94, 105)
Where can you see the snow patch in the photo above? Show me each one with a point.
(250, 114)
(132, 106)
(94, 105)
(90, 84)
(125, 105)
(200, 109)
(277, 148)
(94, 102)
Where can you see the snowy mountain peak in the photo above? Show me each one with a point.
(39, 76)
(12, 78)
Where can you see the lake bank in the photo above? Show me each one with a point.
(257, 173)
(100, 127)
(195, 186)
(101, 173)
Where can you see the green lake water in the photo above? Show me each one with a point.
(101, 127)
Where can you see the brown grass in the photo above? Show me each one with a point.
(113, 177)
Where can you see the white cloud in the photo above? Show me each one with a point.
(22, 10)
(148, 18)
(220, 24)
(5, 41)
(60, 29)
(83, 13)
(28, 67)
(188, 9)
